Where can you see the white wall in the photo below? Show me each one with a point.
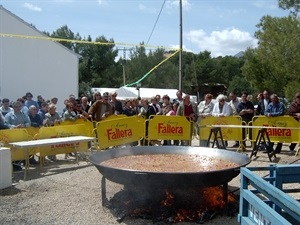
(41, 67)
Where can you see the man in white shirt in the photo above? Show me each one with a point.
(5, 108)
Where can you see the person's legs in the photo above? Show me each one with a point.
(278, 147)
(16, 166)
(292, 146)
(244, 137)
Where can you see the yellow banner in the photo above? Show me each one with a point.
(169, 128)
(113, 117)
(87, 123)
(15, 135)
(32, 130)
(120, 131)
(63, 131)
(283, 134)
(227, 133)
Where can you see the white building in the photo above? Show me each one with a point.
(42, 67)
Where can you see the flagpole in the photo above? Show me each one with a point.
(180, 45)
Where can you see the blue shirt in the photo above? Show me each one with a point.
(30, 103)
(275, 109)
(14, 119)
(42, 114)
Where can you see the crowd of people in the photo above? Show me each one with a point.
(26, 112)
(268, 105)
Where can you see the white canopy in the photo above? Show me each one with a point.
(148, 93)
(131, 92)
(102, 90)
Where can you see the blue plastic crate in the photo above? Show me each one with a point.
(263, 201)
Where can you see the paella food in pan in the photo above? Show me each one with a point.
(169, 163)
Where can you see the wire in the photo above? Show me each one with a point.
(156, 21)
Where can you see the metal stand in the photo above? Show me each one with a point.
(103, 192)
(216, 131)
(225, 198)
(298, 151)
(261, 140)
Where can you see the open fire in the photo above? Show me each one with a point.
(169, 195)
(171, 206)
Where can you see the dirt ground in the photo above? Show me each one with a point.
(65, 192)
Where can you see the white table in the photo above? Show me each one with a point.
(50, 141)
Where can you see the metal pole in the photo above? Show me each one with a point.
(123, 65)
(180, 45)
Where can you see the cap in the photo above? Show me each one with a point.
(105, 94)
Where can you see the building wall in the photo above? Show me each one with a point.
(42, 67)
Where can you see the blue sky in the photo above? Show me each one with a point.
(223, 27)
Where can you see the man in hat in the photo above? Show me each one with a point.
(116, 105)
(101, 109)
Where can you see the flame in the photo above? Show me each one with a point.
(182, 205)
(169, 201)
(212, 200)
(187, 215)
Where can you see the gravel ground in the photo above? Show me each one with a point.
(66, 193)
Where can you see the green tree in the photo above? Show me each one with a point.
(292, 5)
(207, 70)
(163, 75)
(137, 65)
(65, 33)
(97, 65)
(274, 64)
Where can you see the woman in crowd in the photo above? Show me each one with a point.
(222, 108)
(96, 96)
(166, 106)
(69, 114)
(205, 108)
(79, 110)
(144, 108)
(127, 109)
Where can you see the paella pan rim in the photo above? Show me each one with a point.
(136, 177)
(98, 157)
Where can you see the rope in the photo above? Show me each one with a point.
(154, 68)
(156, 21)
(79, 41)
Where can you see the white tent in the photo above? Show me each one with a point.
(102, 90)
(148, 93)
(132, 92)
